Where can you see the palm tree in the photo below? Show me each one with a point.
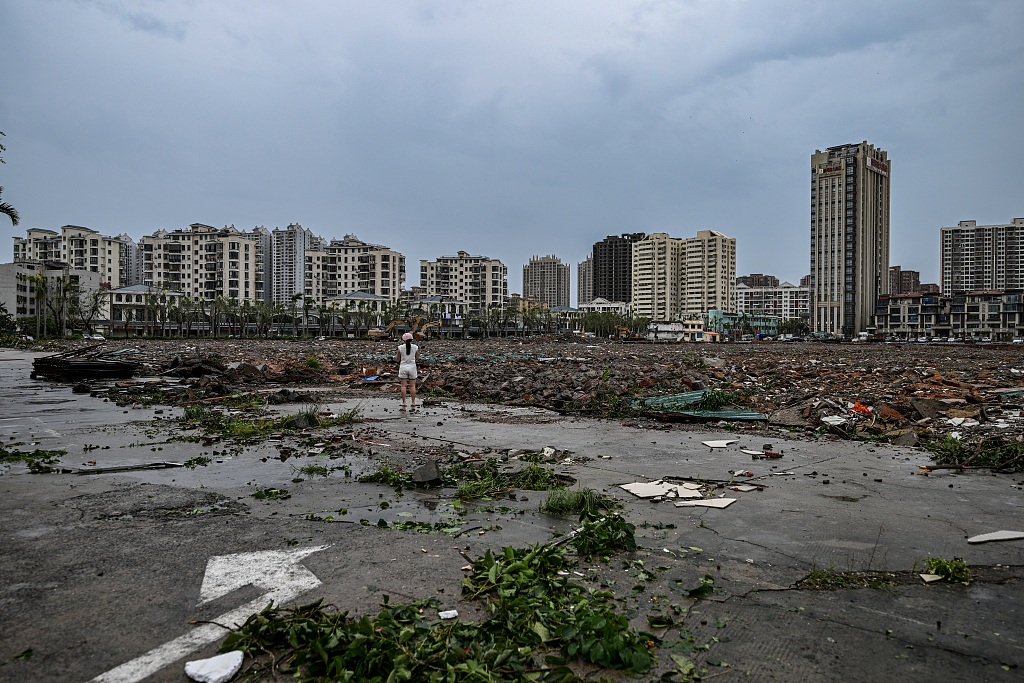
(322, 312)
(307, 304)
(295, 313)
(202, 314)
(40, 281)
(9, 211)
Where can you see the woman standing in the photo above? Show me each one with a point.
(408, 354)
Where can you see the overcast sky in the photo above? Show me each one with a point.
(508, 128)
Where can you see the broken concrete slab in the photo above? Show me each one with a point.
(300, 421)
(907, 439)
(656, 489)
(930, 578)
(788, 417)
(427, 473)
(997, 536)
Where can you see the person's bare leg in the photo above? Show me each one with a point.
(412, 391)
(403, 383)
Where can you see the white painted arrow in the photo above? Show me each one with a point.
(276, 571)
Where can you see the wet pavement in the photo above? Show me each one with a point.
(98, 569)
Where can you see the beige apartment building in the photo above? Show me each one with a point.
(202, 262)
(547, 279)
(585, 281)
(710, 274)
(656, 267)
(352, 265)
(480, 281)
(676, 278)
(849, 236)
(113, 258)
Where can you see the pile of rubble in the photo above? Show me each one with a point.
(901, 392)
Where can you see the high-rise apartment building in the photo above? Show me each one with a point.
(114, 258)
(480, 281)
(758, 280)
(202, 262)
(585, 281)
(849, 236)
(288, 253)
(977, 257)
(547, 279)
(613, 261)
(657, 267)
(708, 277)
(352, 265)
(903, 281)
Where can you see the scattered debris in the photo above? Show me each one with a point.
(449, 614)
(662, 489)
(218, 669)
(997, 536)
(708, 503)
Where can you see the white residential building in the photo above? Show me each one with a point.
(785, 302)
(976, 257)
(289, 249)
(18, 286)
(600, 305)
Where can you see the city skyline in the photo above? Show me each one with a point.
(435, 135)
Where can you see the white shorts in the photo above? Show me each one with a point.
(407, 372)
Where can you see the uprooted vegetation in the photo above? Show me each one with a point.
(578, 501)
(994, 453)
(484, 482)
(250, 424)
(829, 579)
(539, 622)
(490, 480)
(954, 570)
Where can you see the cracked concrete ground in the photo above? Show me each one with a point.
(99, 569)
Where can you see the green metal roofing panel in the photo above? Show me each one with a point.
(674, 405)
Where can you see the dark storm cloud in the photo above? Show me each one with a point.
(508, 129)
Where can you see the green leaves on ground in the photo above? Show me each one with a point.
(38, 461)
(534, 611)
(389, 476)
(198, 461)
(706, 587)
(607, 536)
(951, 570)
(268, 494)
